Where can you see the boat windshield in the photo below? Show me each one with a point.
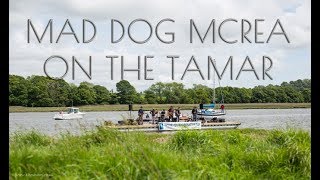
(209, 106)
(73, 110)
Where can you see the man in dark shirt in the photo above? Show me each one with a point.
(153, 114)
(140, 114)
(177, 112)
(170, 113)
(162, 115)
(194, 113)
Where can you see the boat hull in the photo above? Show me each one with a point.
(211, 114)
(68, 116)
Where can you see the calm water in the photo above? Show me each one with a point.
(249, 118)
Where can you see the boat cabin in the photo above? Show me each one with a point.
(73, 110)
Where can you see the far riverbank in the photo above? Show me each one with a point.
(124, 107)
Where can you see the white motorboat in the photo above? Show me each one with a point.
(73, 113)
(211, 111)
(211, 115)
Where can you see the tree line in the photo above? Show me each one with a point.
(41, 91)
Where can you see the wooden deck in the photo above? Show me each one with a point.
(154, 127)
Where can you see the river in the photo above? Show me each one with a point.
(249, 118)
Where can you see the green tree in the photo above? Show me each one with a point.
(157, 90)
(126, 92)
(18, 90)
(114, 98)
(102, 94)
(140, 98)
(201, 94)
(246, 95)
(38, 93)
(281, 96)
(86, 94)
(74, 99)
(270, 94)
(258, 95)
(43, 91)
(150, 97)
(58, 91)
(294, 96)
(174, 93)
(306, 93)
(232, 95)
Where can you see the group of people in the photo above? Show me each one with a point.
(162, 114)
(175, 112)
(170, 114)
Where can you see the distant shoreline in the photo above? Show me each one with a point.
(147, 107)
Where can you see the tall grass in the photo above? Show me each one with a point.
(109, 154)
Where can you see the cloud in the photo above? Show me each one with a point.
(27, 59)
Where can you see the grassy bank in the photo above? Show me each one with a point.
(161, 106)
(107, 154)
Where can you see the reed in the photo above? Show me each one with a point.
(213, 154)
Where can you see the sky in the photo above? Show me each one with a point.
(290, 61)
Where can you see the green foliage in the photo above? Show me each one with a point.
(32, 138)
(18, 90)
(58, 91)
(102, 94)
(86, 94)
(40, 91)
(114, 98)
(157, 91)
(185, 140)
(151, 97)
(200, 94)
(213, 154)
(126, 92)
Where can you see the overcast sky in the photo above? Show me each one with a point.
(291, 61)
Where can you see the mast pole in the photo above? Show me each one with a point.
(214, 88)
